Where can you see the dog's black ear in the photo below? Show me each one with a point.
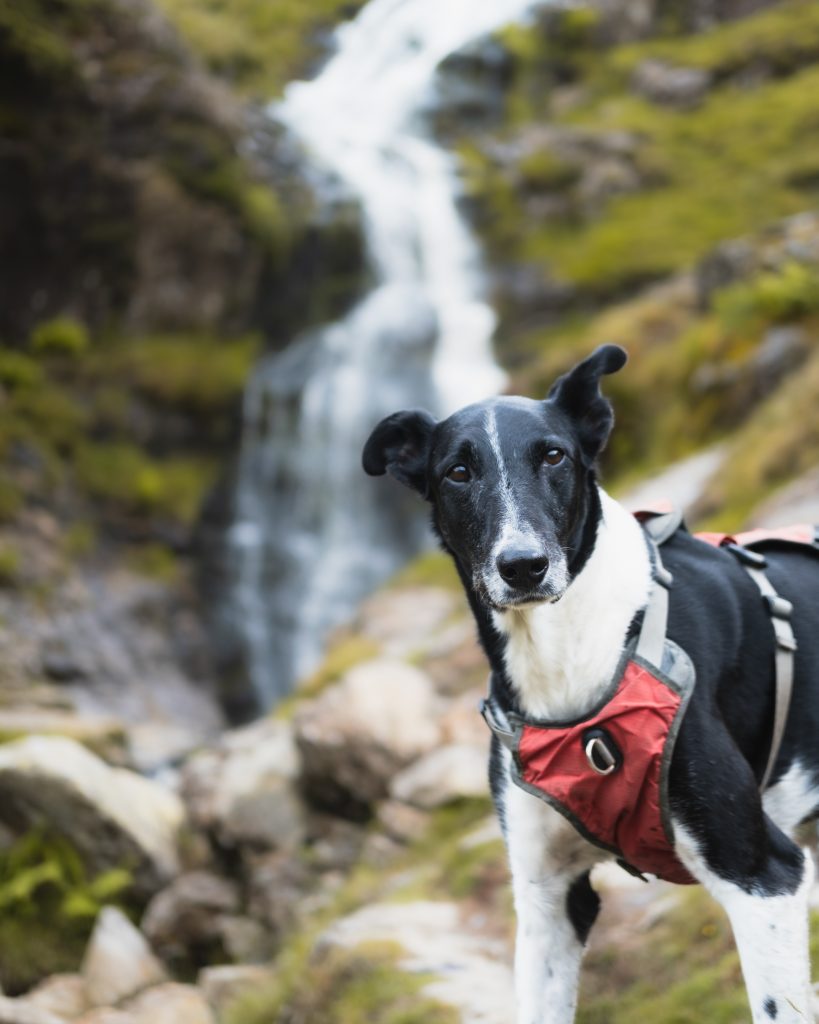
(399, 445)
(577, 393)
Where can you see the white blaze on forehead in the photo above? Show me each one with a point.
(511, 530)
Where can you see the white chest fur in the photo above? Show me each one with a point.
(561, 657)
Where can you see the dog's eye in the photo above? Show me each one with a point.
(458, 474)
(554, 456)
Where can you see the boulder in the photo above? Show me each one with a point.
(354, 737)
(242, 790)
(111, 815)
(406, 620)
(118, 960)
(188, 914)
(442, 776)
(62, 994)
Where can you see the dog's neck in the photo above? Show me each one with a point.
(560, 658)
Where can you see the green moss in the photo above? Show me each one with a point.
(258, 44)
(743, 158)
(9, 566)
(121, 474)
(38, 39)
(346, 654)
(47, 908)
(347, 987)
(542, 171)
(204, 162)
(12, 500)
(155, 561)
(18, 371)
(779, 441)
(201, 374)
(60, 336)
(780, 296)
(434, 569)
(779, 40)
(681, 970)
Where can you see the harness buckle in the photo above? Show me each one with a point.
(751, 558)
(663, 576)
(778, 607)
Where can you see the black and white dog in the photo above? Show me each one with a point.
(558, 575)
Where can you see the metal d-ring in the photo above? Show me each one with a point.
(600, 756)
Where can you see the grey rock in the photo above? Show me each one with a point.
(170, 1003)
(188, 913)
(22, 1011)
(242, 790)
(670, 86)
(62, 994)
(361, 731)
(443, 776)
(118, 961)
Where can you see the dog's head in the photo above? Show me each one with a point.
(509, 479)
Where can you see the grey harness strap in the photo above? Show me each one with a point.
(652, 639)
(658, 530)
(780, 611)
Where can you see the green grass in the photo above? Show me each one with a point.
(729, 168)
(200, 374)
(780, 40)
(259, 45)
(121, 474)
(682, 970)
(743, 158)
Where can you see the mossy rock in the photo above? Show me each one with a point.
(48, 905)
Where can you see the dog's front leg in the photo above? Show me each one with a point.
(768, 911)
(555, 905)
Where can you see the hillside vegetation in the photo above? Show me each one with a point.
(685, 158)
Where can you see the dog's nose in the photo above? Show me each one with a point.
(522, 569)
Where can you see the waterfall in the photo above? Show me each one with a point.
(312, 535)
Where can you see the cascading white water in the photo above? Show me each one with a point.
(312, 535)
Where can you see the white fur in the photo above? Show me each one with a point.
(792, 799)
(561, 657)
(511, 532)
(546, 854)
(771, 934)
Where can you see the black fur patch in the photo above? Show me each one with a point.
(770, 1007)
(582, 906)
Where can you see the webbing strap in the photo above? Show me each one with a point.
(651, 641)
(506, 736)
(780, 611)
